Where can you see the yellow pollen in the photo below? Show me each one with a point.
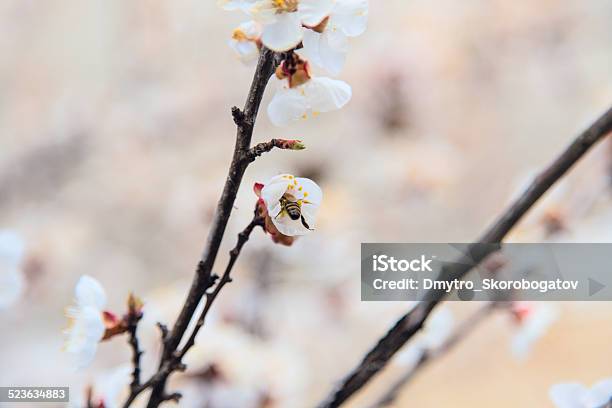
(306, 194)
(300, 189)
(239, 35)
(285, 6)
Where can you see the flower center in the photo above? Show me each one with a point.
(285, 6)
(295, 70)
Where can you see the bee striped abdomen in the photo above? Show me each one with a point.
(293, 210)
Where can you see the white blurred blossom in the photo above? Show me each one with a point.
(234, 369)
(246, 41)
(534, 319)
(87, 321)
(106, 390)
(284, 191)
(576, 395)
(12, 249)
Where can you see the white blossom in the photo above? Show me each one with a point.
(283, 21)
(326, 45)
(246, 41)
(535, 318)
(317, 95)
(286, 188)
(12, 249)
(108, 389)
(87, 325)
(575, 395)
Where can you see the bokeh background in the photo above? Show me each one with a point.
(116, 135)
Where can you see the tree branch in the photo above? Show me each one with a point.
(411, 322)
(136, 352)
(243, 237)
(460, 333)
(203, 280)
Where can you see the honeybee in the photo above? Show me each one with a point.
(293, 209)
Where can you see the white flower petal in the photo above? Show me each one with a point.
(327, 50)
(252, 29)
(350, 16)
(313, 12)
(85, 333)
(11, 285)
(599, 394)
(310, 47)
(333, 47)
(310, 190)
(89, 292)
(110, 385)
(533, 328)
(12, 248)
(287, 105)
(326, 94)
(289, 227)
(274, 189)
(284, 33)
(569, 395)
(247, 50)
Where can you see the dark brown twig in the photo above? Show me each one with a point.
(243, 237)
(411, 322)
(426, 356)
(203, 280)
(132, 323)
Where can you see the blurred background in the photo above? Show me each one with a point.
(116, 136)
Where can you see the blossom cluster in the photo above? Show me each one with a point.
(310, 33)
(307, 33)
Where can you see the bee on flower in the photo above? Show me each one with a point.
(299, 95)
(289, 206)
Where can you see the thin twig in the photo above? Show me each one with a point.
(427, 355)
(243, 237)
(136, 352)
(204, 279)
(265, 147)
(409, 324)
